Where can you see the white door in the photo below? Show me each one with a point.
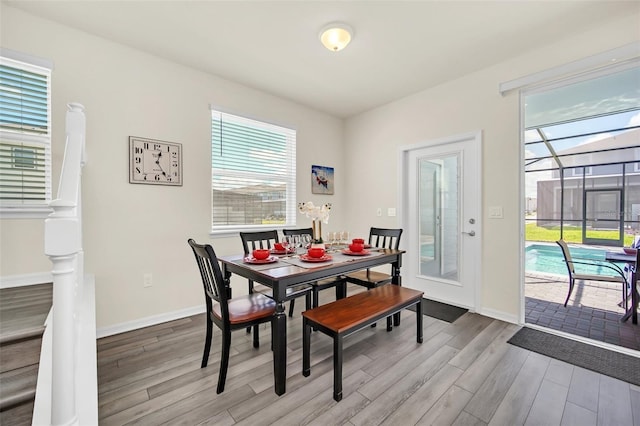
(441, 219)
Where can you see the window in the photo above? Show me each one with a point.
(253, 174)
(25, 137)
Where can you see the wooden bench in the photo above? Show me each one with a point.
(346, 316)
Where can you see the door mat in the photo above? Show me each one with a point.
(610, 363)
(441, 311)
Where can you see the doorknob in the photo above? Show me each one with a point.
(470, 233)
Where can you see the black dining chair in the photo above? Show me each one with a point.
(337, 282)
(228, 314)
(380, 238)
(266, 240)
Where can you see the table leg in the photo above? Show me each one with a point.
(280, 349)
(634, 299)
(397, 280)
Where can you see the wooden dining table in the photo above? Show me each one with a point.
(292, 271)
(632, 261)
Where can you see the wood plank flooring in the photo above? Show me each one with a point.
(464, 373)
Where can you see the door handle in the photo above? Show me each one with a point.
(470, 233)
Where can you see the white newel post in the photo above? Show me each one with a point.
(63, 245)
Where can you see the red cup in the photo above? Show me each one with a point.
(260, 254)
(356, 247)
(358, 241)
(315, 252)
(278, 246)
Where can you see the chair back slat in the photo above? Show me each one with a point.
(212, 279)
(300, 231)
(258, 240)
(385, 238)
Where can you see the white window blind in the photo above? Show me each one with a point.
(253, 173)
(25, 136)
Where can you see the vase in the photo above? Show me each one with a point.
(317, 231)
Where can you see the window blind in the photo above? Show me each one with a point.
(25, 141)
(253, 173)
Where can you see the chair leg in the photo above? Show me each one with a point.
(256, 337)
(307, 301)
(207, 343)
(224, 362)
(316, 297)
(571, 284)
(292, 304)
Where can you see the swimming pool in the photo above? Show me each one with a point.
(548, 259)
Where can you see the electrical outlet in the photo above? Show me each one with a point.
(379, 212)
(391, 211)
(147, 280)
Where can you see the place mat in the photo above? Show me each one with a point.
(610, 363)
(441, 311)
(337, 258)
(262, 266)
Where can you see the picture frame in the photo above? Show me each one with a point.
(322, 180)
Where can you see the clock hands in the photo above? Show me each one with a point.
(158, 163)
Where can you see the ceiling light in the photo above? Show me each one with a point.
(336, 36)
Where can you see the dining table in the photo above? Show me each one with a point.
(632, 261)
(294, 270)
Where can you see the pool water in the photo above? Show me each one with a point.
(549, 259)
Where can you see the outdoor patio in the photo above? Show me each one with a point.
(592, 310)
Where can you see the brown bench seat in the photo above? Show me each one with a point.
(346, 316)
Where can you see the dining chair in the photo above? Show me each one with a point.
(573, 275)
(266, 240)
(380, 238)
(337, 282)
(228, 314)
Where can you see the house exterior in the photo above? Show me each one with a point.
(602, 173)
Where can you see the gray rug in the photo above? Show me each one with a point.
(610, 363)
(441, 311)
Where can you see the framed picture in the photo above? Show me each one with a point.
(322, 180)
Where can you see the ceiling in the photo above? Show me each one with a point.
(399, 47)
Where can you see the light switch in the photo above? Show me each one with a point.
(391, 211)
(495, 212)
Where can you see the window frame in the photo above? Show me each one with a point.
(291, 174)
(39, 209)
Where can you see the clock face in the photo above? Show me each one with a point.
(155, 162)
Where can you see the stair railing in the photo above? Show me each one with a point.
(63, 245)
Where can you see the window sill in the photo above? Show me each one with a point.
(25, 212)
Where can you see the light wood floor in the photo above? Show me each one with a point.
(463, 374)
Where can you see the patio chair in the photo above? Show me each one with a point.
(573, 276)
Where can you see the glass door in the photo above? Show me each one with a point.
(603, 218)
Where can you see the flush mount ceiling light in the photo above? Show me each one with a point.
(336, 36)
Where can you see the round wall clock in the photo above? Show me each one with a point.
(155, 162)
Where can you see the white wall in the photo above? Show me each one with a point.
(132, 229)
(466, 105)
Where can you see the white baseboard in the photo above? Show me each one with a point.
(500, 315)
(25, 279)
(148, 321)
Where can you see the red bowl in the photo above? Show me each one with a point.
(629, 250)
(316, 252)
(358, 241)
(356, 247)
(261, 254)
(278, 246)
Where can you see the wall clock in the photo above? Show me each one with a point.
(155, 162)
